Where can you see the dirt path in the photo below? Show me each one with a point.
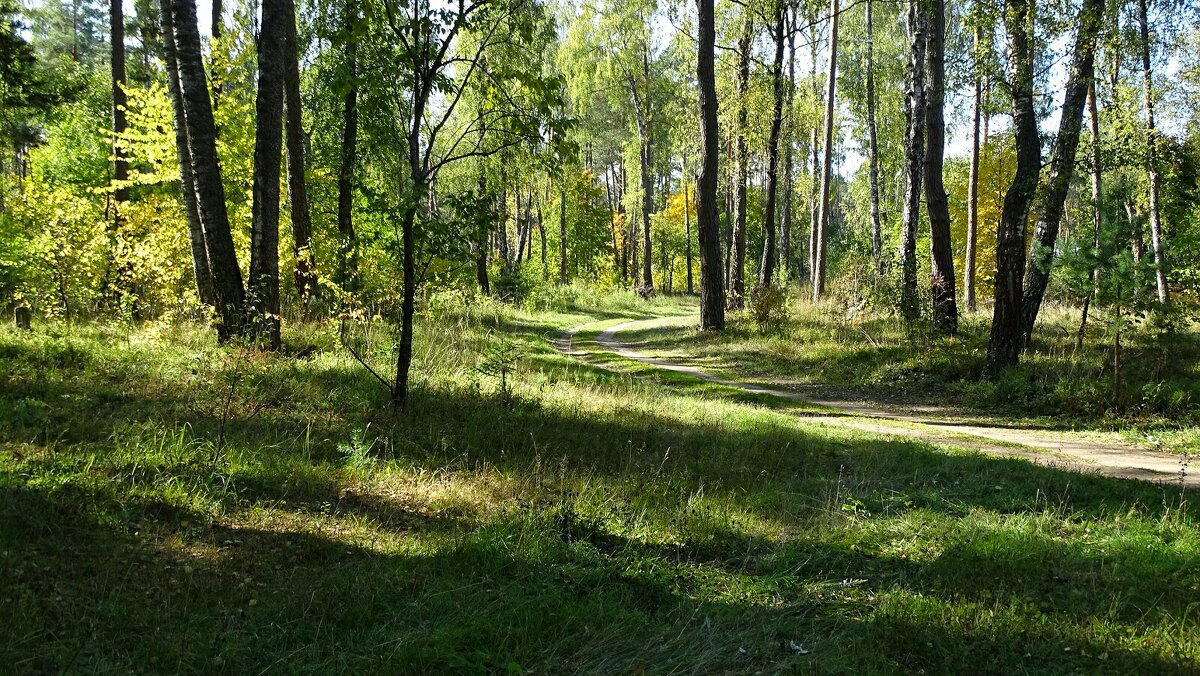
(1061, 450)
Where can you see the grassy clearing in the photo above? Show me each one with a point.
(832, 351)
(166, 505)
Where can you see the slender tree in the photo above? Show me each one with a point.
(348, 254)
(1152, 175)
(120, 173)
(973, 178)
(941, 256)
(1004, 343)
(873, 144)
(305, 277)
(1062, 165)
(914, 156)
(228, 291)
(200, 268)
(785, 239)
(268, 141)
(712, 291)
(819, 257)
(736, 297)
(766, 268)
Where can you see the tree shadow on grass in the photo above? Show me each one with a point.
(104, 598)
(98, 550)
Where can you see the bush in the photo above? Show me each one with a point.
(768, 305)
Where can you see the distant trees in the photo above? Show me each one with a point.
(497, 146)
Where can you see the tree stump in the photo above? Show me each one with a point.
(23, 317)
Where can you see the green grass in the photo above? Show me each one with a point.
(170, 506)
(832, 352)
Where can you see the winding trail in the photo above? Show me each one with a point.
(1060, 450)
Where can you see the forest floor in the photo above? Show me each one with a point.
(168, 505)
(1083, 452)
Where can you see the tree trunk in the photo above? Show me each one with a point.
(120, 162)
(268, 142)
(814, 207)
(542, 234)
(1156, 229)
(687, 229)
(941, 256)
(973, 178)
(914, 155)
(228, 292)
(785, 240)
(348, 254)
(1097, 210)
(1062, 165)
(873, 146)
(562, 234)
(200, 268)
(737, 262)
(216, 18)
(1004, 343)
(306, 282)
(827, 166)
(766, 268)
(712, 291)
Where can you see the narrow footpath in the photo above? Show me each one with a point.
(1060, 450)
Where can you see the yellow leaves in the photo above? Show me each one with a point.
(997, 163)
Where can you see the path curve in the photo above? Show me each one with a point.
(1060, 451)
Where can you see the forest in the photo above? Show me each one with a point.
(599, 336)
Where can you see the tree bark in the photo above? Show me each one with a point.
(687, 229)
(827, 164)
(1097, 210)
(1062, 165)
(228, 291)
(1004, 343)
(305, 278)
(348, 254)
(914, 155)
(785, 240)
(737, 262)
(873, 146)
(712, 290)
(973, 178)
(200, 268)
(941, 256)
(268, 141)
(120, 162)
(1156, 229)
(766, 268)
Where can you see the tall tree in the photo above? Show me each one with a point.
(766, 268)
(819, 257)
(117, 62)
(1004, 342)
(1062, 165)
(1152, 175)
(228, 291)
(305, 277)
(348, 253)
(945, 303)
(785, 239)
(200, 267)
(268, 141)
(873, 144)
(1094, 160)
(736, 296)
(976, 145)
(436, 65)
(914, 157)
(712, 290)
